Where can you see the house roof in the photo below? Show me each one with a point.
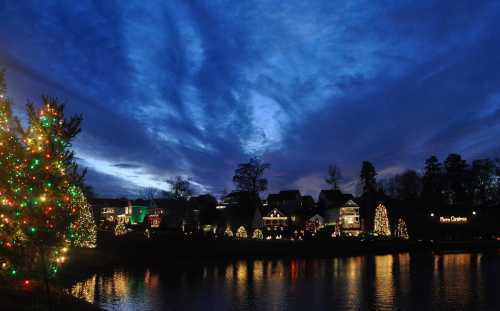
(316, 216)
(335, 197)
(350, 203)
(275, 213)
(273, 197)
(307, 198)
(290, 194)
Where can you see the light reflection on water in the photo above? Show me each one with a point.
(388, 282)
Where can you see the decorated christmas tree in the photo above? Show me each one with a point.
(241, 233)
(52, 178)
(382, 227)
(120, 229)
(228, 233)
(257, 234)
(13, 190)
(86, 231)
(40, 200)
(401, 230)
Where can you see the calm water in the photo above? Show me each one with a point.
(389, 282)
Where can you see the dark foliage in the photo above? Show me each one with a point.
(249, 176)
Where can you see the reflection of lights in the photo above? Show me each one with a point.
(85, 290)
(293, 271)
(384, 284)
(151, 280)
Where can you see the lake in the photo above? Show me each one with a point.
(386, 282)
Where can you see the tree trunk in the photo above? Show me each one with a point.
(46, 278)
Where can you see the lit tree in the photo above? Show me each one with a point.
(382, 227)
(228, 233)
(241, 233)
(39, 196)
(51, 180)
(13, 193)
(257, 234)
(120, 229)
(401, 230)
(86, 232)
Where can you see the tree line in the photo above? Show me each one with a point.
(453, 181)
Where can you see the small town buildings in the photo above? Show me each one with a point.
(341, 213)
(287, 201)
(239, 216)
(349, 218)
(329, 199)
(291, 203)
(109, 212)
(314, 224)
(275, 225)
(240, 221)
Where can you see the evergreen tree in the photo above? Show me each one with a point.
(86, 231)
(367, 178)
(13, 192)
(483, 181)
(38, 190)
(257, 234)
(401, 230)
(432, 181)
(456, 179)
(407, 185)
(52, 180)
(382, 227)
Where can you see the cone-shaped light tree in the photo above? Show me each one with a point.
(257, 234)
(86, 231)
(401, 230)
(241, 233)
(382, 227)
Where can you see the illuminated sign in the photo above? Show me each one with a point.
(453, 220)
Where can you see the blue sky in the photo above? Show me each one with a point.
(195, 87)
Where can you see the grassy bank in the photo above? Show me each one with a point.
(21, 298)
(82, 264)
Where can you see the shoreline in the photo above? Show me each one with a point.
(135, 250)
(164, 246)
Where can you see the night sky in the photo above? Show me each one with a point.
(195, 87)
